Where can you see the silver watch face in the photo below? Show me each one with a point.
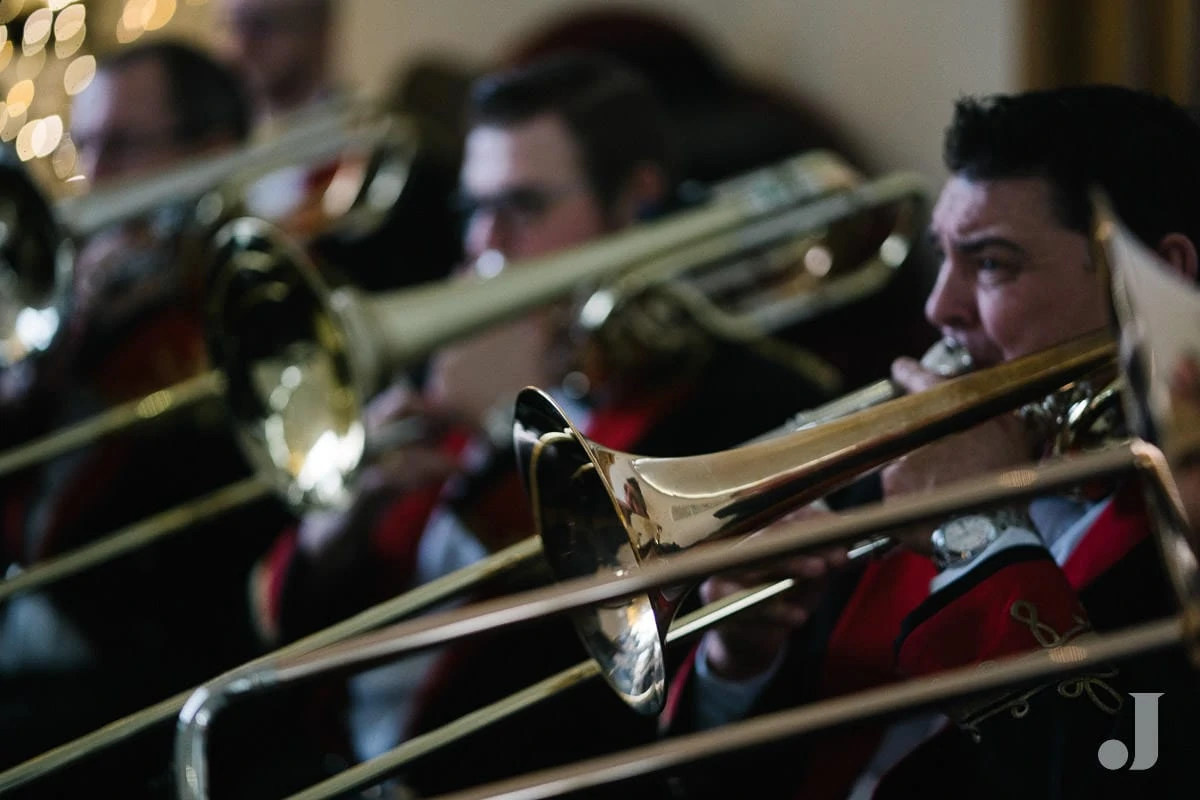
(968, 534)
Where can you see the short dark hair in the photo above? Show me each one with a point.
(1143, 150)
(610, 110)
(206, 97)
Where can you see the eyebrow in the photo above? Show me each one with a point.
(974, 246)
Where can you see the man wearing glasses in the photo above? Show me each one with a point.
(557, 154)
(92, 649)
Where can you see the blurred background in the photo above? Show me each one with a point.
(881, 75)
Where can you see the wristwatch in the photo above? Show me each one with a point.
(961, 540)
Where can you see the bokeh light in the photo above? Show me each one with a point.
(64, 159)
(70, 22)
(20, 97)
(79, 74)
(38, 26)
(47, 135)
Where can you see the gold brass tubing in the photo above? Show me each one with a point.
(390, 611)
(137, 535)
(156, 404)
(371, 771)
(931, 691)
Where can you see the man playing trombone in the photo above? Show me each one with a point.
(558, 153)
(111, 641)
(1012, 227)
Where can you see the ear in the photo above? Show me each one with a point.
(1179, 251)
(647, 186)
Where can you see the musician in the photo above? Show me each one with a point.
(558, 153)
(284, 50)
(150, 107)
(106, 642)
(1011, 225)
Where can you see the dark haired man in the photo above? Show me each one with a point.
(1012, 228)
(152, 106)
(558, 153)
(90, 649)
(284, 49)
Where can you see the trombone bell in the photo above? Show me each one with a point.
(291, 383)
(35, 266)
(604, 511)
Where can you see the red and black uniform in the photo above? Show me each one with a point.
(737, 397)
(881, 625)
(151, 623)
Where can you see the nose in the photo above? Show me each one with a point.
(485, 231)
(951, 304)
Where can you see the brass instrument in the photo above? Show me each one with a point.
(275, 323)
(732, 491)
(39, 250)
(583, 527)
(218, 182)
(271, 307)
(37, 240)
(35, 265)
(300, 360)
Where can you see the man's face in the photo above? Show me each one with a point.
(123, 125)
(276, 44)
(525, 191)
(1013, 280)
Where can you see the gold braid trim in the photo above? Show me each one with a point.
(1094, 686)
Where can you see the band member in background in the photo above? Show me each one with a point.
(1012, 227)
(102, 644)
(558, 153)
(284, 50)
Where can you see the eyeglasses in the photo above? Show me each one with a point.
(519, 205)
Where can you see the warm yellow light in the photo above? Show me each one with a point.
(37, 30)
(79, 74)
(59, 5)
(47, 135)
(136, 13)
(25, 141)
(70, 22)
(12, 124)
(20, 96)
(6, 54)
(65, 48)
(160, 13)
(132, 23)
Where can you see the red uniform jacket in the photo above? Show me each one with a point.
(738, 398)
(883, 626)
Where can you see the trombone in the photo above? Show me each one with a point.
(37, 238)
(298, 360)
(590, 529)
(271, 306)
(719, 495)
